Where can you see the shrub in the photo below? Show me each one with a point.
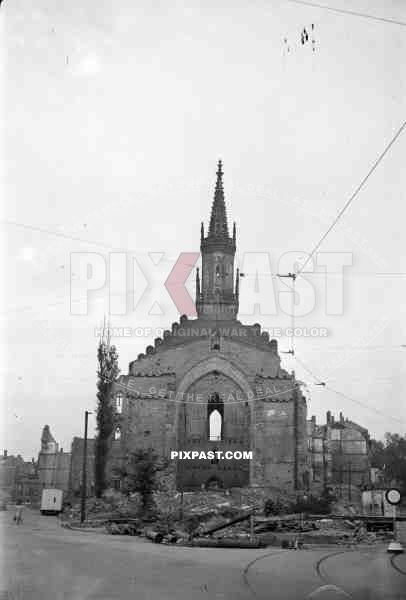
(314, 504)
(275, 507)
(191, 524)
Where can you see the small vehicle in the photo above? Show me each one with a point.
(51, 501)
(395, 547)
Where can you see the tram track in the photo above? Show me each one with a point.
(250, 564)
(395, 566)
(316, 567)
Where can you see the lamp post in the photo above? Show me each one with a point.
(84, 469)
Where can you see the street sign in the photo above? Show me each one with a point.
(393, 496)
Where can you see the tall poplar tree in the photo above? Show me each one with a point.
(107, 373)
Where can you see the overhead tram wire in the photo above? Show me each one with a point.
(352, 197)
(363, 405)
(298, 272)
(319, 381)
(71, 238)
(348, 12)
(324, 273)
(349, 398)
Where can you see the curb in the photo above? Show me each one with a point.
(84, 529)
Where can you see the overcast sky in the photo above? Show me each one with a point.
(134, 104)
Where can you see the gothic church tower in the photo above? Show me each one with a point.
(217, 296)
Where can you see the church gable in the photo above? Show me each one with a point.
(212, 382)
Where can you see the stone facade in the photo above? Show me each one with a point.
(10, 469)
(338, 453)
(19, 479)
(211, 370)
(53, 463)
(28, 486)
(215, 383)
(76, 466)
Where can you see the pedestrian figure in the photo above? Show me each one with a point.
(18, 517)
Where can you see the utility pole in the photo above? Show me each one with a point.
(84, 471)
(292, 339)
(296, 436)
(349, 481)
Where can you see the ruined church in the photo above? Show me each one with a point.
(214, 383)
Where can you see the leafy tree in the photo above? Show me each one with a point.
(390, 457)
(314, 504)
(107, 372)
(395, 459)
(376, 453)
(141, 475)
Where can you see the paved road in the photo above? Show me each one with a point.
(42, 561)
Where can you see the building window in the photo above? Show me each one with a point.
(117, 484)
(117, 434)
(215, 416)
(215, 426)
(119, 403)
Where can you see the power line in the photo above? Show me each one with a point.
(353, 195)
(348, 12)
(344, 273)
(366, 347)
(358, 402)
(319, 381)
(375, 410)
(71, 238)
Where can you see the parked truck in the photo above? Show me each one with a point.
(51, 502)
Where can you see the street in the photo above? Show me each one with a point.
(43, 561)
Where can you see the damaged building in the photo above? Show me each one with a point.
(214, 383)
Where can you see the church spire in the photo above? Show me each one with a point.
(217, 295)
(218, 220)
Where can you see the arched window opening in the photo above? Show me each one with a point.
(119, 403)
(215, 426)
(117, 434)
(215, 418)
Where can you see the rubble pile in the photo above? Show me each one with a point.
(181, 518)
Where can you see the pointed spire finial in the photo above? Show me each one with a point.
(218, 220)
(220, 168)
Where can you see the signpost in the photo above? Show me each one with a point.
(393, 498)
